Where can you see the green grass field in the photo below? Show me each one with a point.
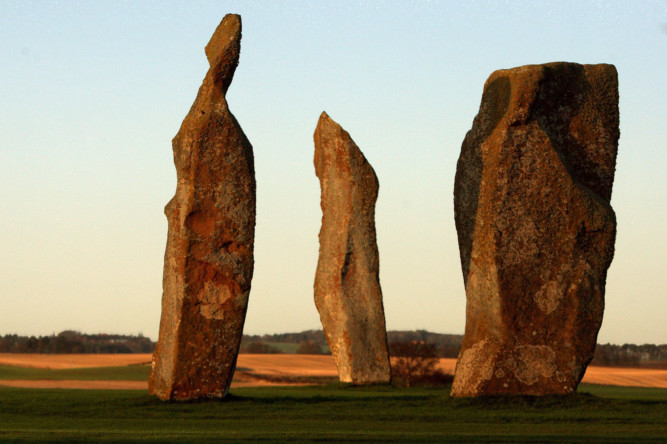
(284, 347)
(291, 347)
(122, 373)
(334, 413)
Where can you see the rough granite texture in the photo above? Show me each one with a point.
(208, 262)
(535, 228)
(347, 284)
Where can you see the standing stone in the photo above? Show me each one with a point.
(208, 263)
(535, 227)
(347, 284)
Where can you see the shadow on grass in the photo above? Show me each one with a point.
(314, 394)
(571, 401)
(547, 402)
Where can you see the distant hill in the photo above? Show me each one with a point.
(309, 341)
(448, 345)
(70, 341)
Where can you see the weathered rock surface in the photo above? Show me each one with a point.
(208, 263)
(347, 284)
(536, 230)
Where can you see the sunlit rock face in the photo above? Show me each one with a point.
(208, 263)
(347, 283)
(535, 227)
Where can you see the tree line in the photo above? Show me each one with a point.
(70, 341)
(645, 355)
(305, 342)
(449, 345)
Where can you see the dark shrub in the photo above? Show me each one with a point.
(416, 363)
(309, 347)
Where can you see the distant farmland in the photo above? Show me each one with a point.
(252, 370)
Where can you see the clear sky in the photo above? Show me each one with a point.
(91, 94)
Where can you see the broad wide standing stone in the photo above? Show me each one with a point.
(209, 259)
(536, 230)
(347, 284)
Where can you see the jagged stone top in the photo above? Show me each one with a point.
(329, 131)
(223, 50)
(327, 126)
(554, 94)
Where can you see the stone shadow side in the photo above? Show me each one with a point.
(495, 100)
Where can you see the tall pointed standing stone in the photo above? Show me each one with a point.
(208, 263)
(347, 284)
(536, 230)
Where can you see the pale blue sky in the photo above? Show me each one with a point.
(91, 94)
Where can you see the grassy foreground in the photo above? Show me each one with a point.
(334, 413)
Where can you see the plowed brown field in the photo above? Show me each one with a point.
(37, 360)
(251, 369)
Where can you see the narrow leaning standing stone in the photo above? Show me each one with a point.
(347, 284)
(208, 263)
(535, 227)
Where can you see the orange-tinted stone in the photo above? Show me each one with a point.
(208, 262)
(347, 284)
(535, 227)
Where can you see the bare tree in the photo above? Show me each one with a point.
(416, 362)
